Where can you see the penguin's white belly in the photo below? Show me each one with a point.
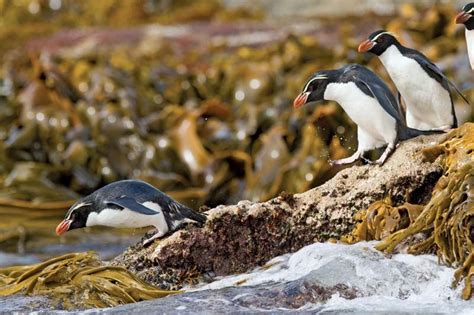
(470, 46)
(364, 110)
(428, 103)
(127, 218)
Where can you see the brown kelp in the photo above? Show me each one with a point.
(185, 109)
(78, 280)
(445, 224)
(381, 219)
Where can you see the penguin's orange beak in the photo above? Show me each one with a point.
(300, 100)
(366, 45)
(462, 17)
(63, 227)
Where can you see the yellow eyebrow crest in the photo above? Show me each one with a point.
(383, 33)
(318, 77)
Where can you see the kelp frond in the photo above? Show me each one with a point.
(78, 280)
(446, 223)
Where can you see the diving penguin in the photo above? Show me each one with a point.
(129, 204)
(368, 102)
(466, 17)
(424, 88)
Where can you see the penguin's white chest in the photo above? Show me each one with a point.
(364, 110)
(428, 103)
(127, 218)
(470, 46)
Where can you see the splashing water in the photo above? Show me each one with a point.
(326, 279)
(402, 282)
(323, 278)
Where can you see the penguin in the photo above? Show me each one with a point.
(466, 17)
(368, 102)
(129, 204)
(424, 88)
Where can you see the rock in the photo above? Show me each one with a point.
(238, 237)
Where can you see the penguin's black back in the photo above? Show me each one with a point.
(139, 190)
(174, 212)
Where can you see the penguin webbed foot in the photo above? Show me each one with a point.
(147, 242)
(360, 156)
(446, 129)
(367, 160)
(348, 160)
(150, 240)
(388, 151)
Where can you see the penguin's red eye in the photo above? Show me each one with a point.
(380, 40)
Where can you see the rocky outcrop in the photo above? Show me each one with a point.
(238, 237)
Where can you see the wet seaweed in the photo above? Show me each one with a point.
(382, 219)
(78, 280)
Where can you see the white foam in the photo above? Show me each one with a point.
(400, 283)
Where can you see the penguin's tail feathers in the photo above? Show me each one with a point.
(196, 216)
(409, 133)
(189, 214)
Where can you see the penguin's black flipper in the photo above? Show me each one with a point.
(433, 67)
(373, 86)
(400, 107)
(436, 73)
(131, 204)
(382, 94)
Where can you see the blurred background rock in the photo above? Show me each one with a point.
(193, 97)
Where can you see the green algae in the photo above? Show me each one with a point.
(78, 280)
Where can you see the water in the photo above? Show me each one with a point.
(320, 278)
(324, 279)
(106, 244)
(10, 259)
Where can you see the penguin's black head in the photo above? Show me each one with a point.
(76, 217)
(378, 42)
(466, 16)
(314, 88)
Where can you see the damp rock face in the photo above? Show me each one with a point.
(239, 237)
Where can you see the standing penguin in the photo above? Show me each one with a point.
(465, 17)
(129, 204)
(368, 102)
(424, 88)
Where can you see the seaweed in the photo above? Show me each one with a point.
(445, 224)
(78, 280)
(381, 219)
